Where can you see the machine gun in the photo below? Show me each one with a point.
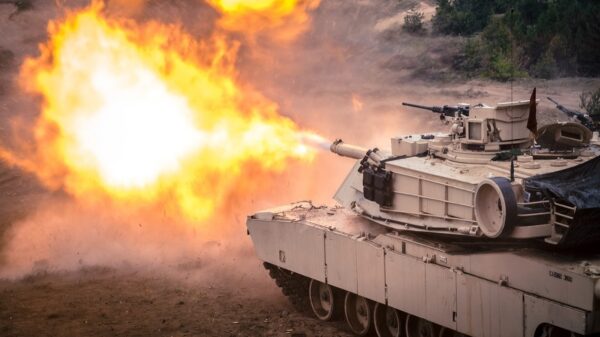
(446, 110)
(583, 118)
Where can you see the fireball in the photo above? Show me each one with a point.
(284, 20)
(144, 114)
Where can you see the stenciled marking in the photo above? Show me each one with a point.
(560, 276)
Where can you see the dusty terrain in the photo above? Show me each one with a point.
(104, 302)
(355, 49)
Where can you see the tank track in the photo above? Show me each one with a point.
(293, 286)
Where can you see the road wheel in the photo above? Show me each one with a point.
(387, 321)
(419, 327)
(323, 300)
(548, 330)
(359, 314)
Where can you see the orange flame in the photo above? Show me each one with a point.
(144, 114)
(284, 19)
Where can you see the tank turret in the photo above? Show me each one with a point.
(485, 178)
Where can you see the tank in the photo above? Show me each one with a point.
(481, 231)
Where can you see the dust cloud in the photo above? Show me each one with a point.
(62, 235)
(352, 50)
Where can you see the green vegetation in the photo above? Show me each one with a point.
(413, 21)
(590, 101)
(540, 38)
(461, 17)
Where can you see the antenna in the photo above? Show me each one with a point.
(512, 78)
(512, 56)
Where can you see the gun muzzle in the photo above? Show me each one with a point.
(352, 151)
(347, 150)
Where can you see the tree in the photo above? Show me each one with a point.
(590, 101)
(470, 60)
(413, 21)
(546, 38)
(546, 67)
(462, 17)
(587, 50)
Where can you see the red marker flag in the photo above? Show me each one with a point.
(532, 120)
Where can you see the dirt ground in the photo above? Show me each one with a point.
(104, 302)
(231, 294)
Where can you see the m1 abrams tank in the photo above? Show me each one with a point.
(450, 234)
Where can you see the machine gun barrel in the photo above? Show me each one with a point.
(553, 101)
(446, 110)
(560, 107)
(586, 120)
(424, 107)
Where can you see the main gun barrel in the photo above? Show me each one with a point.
(347, 150)
(357, 152)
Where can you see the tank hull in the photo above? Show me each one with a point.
(479, 290)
